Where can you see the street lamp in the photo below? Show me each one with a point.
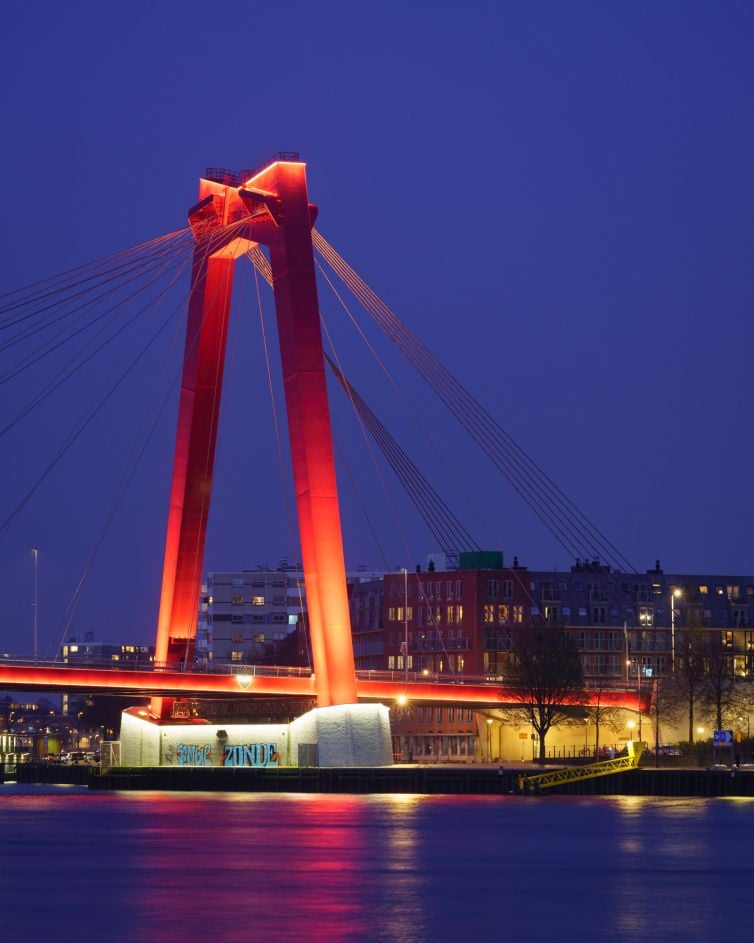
(489, 739)
(35, 551)
(405, 623)
(637, 661)
(631, 724)
(676, 594)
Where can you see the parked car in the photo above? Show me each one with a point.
(79, 758)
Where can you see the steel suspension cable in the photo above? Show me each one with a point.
(135, 457)
(450, 533)
(82, 357)
(573, 530)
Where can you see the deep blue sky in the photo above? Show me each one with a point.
(557, 197)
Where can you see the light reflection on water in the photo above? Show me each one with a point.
(239, 867)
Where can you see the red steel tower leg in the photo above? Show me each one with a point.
(271, 208)
(310, 434)
(198, 414)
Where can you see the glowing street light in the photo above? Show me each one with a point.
(405, 623)
(489, 739)
(631, 724)
(35, 551)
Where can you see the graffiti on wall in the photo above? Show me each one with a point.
(251, 754)
(242, 754)
(191, 754)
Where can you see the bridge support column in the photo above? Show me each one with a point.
(198, 415)
(271, 208)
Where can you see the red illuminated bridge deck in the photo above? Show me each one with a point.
(263, 681)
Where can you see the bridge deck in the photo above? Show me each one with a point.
(267, 682)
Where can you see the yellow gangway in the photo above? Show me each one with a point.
(572, 774)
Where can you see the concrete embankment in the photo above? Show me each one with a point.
(416, 780)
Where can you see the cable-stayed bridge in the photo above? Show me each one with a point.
(236, 215)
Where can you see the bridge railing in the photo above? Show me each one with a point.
(276, 671)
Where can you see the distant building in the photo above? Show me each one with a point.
(258, 616)
(246, 614)
(89, 653)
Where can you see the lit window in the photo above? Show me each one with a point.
(236, 600)
(518, 613)
(257, 600)
(489, 613)
(236, 656)
(503, 613)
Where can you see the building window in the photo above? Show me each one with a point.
(518, 613)
(489, 613)
(646, 615)
(257, 600)
(237, 582)
(236, 656)
(236, 618)
(492, 588)
(236, 600)
(599, 615)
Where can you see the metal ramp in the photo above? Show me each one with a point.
(538, 782)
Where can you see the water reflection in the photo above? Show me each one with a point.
(171, 867)
(284, 868)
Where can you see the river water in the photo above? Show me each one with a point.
(159, 867)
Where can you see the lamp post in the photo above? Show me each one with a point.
(35, 551)
(405, 623)
(489, 739)
(631, 724)
(637, 662)
(676, 594)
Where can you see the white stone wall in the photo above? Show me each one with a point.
(139, 741)
(347, 735)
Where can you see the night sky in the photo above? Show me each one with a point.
(557, 197)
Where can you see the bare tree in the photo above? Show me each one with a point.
(664, 707)
(720, 682)
(604, 710)
(546, 671)
(689, 679)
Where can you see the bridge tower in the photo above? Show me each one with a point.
(271, 207)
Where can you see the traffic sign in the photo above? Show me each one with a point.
(722, 738)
